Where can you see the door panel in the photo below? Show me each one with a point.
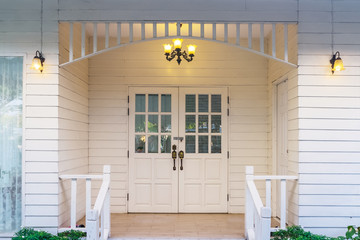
(158, 116)
(153, 121)
(202, 123)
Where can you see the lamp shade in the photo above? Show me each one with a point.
(338, 65)
(191, 49)
(167, 48)
(36, 64)
(177, 43)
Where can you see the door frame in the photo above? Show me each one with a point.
(275, 138)
(226, 137)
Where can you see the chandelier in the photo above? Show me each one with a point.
(170, 55)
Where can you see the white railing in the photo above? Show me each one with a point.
(258, 216)
(101, 207)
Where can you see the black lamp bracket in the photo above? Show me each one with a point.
(177, 53)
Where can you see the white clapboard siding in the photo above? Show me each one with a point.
(110, 75)
(20, 35)
(329, 124)
(279, 72)
(73, 123)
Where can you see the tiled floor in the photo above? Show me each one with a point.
(177, 226)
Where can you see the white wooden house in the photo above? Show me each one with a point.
(261, 78)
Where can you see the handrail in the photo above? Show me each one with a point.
(101, 207)
(101, 211)
(258, 217)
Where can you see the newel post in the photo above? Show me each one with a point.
(249, 208)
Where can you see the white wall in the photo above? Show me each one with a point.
(20, 34)
(279, 72)
(110, 75)
(329, 117)
(73, 124)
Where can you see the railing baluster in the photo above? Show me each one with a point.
(71, 40)
(73, 203)
(202, 31)
(268, 193)
(95, 38)
(238, 34)
(166, 29)
(225, 32)
(102, 224)
(250, 35)
(178, 29)
(262, 37)
(107, 35)
(190, 29)
(88, 194)
(142, 31)
(283, 204)
(83, 35)
(274, 40)
(154, 29)
(131, 30)
(118, 33)
(285, 42)
(214, 31)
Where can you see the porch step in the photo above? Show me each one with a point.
(176, 238)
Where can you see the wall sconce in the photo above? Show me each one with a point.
(336, 63)
(38, 61)
(170, 55)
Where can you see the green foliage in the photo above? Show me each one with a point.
(72, 234)
(31, 234)
(297, 233)
(352, 233)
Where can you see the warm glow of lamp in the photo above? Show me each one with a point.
(167, 48)
(38, 62)
(191, 49)
(336, 63)
(177, 43)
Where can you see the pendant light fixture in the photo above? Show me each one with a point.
(170, 55)
(38, 60)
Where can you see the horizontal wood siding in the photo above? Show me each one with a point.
(20, 35)
(279, 72)
(73, 135)
(329, 120)
(144, 64)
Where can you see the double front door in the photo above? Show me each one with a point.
(178, 150)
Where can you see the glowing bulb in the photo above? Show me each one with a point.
(191, 49)
(36, 63)
(177, 43)
(167, 48)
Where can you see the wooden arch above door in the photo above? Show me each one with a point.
(86, 39)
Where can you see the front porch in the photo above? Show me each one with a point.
(178, 226)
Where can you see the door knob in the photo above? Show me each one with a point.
(181, 156)
(173, 154)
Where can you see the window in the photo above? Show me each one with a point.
(11, 91)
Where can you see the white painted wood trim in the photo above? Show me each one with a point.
(274, 40)
(99, 177)
(83, 35)
(127, 44)
(285, 42)
(250, 35)
(237, 34)
(119, 33)
(262, 37)
(95, 38)
(73, 202)
(106, 35)
(71, 40)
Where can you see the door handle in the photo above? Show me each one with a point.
(181, 156)
(173, 154)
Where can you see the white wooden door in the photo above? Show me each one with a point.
(153, 122)
(202, 123)
(192, 119)
(281, 134)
